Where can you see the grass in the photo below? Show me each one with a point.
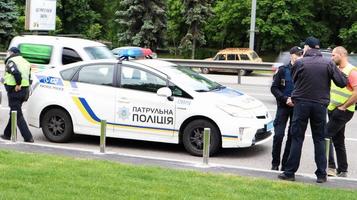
(38, 176)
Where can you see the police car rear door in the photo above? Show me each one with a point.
(140, 112)
(95, 99)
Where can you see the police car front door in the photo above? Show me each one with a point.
(140, 112)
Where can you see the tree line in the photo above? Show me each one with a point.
(187, 25)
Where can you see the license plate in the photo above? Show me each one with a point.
(269, 126)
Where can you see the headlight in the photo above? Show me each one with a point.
(235, 111)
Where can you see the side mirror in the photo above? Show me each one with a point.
(164, 92)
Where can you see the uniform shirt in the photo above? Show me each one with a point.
(278, 86)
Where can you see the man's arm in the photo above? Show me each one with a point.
(275, 87)
(12, 69)
(352, 79)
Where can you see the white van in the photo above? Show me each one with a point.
(52, 51)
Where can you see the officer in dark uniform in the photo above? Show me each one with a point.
(17, 82)
(281, 88)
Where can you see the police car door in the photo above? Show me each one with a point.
(140, 112)
(94, 97)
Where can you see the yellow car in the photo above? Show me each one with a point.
(234, 54)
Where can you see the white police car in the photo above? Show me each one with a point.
(146, 99)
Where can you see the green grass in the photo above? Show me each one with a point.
(37, 176)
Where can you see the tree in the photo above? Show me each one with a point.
(175, 23)
(76, 15)
(143, 23)
(8, 16)
(349, 37)
(196, 13)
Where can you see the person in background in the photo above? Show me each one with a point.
(281, 88)
(312, 77)
(340, 111)
(17, 82)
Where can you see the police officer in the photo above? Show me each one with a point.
(312, 77)
(17, 82)
(281, 88)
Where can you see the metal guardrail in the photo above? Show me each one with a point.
(2, 55)
(267, 66)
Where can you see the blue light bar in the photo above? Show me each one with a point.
(132, 52)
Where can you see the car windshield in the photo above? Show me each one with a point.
(99, 52)
(194, 80)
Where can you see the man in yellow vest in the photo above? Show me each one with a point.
(340, 111)
(17, 82)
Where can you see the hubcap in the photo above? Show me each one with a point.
(196, 138)
(56, 126)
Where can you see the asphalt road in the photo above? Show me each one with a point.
(258, 157)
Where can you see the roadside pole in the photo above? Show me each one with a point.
(103, 128)
(206, 145)
(14, 126)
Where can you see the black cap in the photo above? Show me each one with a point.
(296, 50)
(312, 42)
(14, 50)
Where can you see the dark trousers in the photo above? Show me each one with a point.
(16, 100)
(283, 113)
(303, 111)
(336, 131)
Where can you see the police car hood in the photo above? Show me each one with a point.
(232, 97)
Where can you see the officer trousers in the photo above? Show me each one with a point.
(283, 113)
(336, 131)
(303, 111)
(16, 100)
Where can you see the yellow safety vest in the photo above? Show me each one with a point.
(24, 67)
(339, 96)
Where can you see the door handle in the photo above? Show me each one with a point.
(123, 100)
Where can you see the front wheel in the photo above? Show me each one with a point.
(205, 70)
(57, 125)
(193, 137)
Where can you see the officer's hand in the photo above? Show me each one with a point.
(17, 88)
(289, 102)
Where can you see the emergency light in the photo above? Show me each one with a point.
(134, 52)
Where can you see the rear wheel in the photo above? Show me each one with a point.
(193, 137)
(243, 72)
(205, 70)
(57, 125)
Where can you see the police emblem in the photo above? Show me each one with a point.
(124, 113)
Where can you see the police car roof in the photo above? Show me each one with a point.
(55, 40)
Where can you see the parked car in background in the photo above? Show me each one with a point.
(234, 54)
(51, 51)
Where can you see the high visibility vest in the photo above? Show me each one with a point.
(339, 96)
(24, 67)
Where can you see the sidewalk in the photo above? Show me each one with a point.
(345, 183)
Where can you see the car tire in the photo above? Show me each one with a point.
(192, 138)
(205, 70)
(57, 125)
(243, 72)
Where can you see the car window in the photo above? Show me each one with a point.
(220, 57)
(96, 74)
(178, 92)
(244, 56)
(100, 52)
(36, 53)
(70, 56)
(254, 55)
(137, 79)
(68, 73)
(231, 57)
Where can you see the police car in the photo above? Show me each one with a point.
(146, 99)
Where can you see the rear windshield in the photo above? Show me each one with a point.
(100, 52)
(36, 53)
(254, 55)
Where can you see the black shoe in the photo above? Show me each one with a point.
(321, 179)
(283, 176)
(276, 168)
(4, 137)
(29, 140)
